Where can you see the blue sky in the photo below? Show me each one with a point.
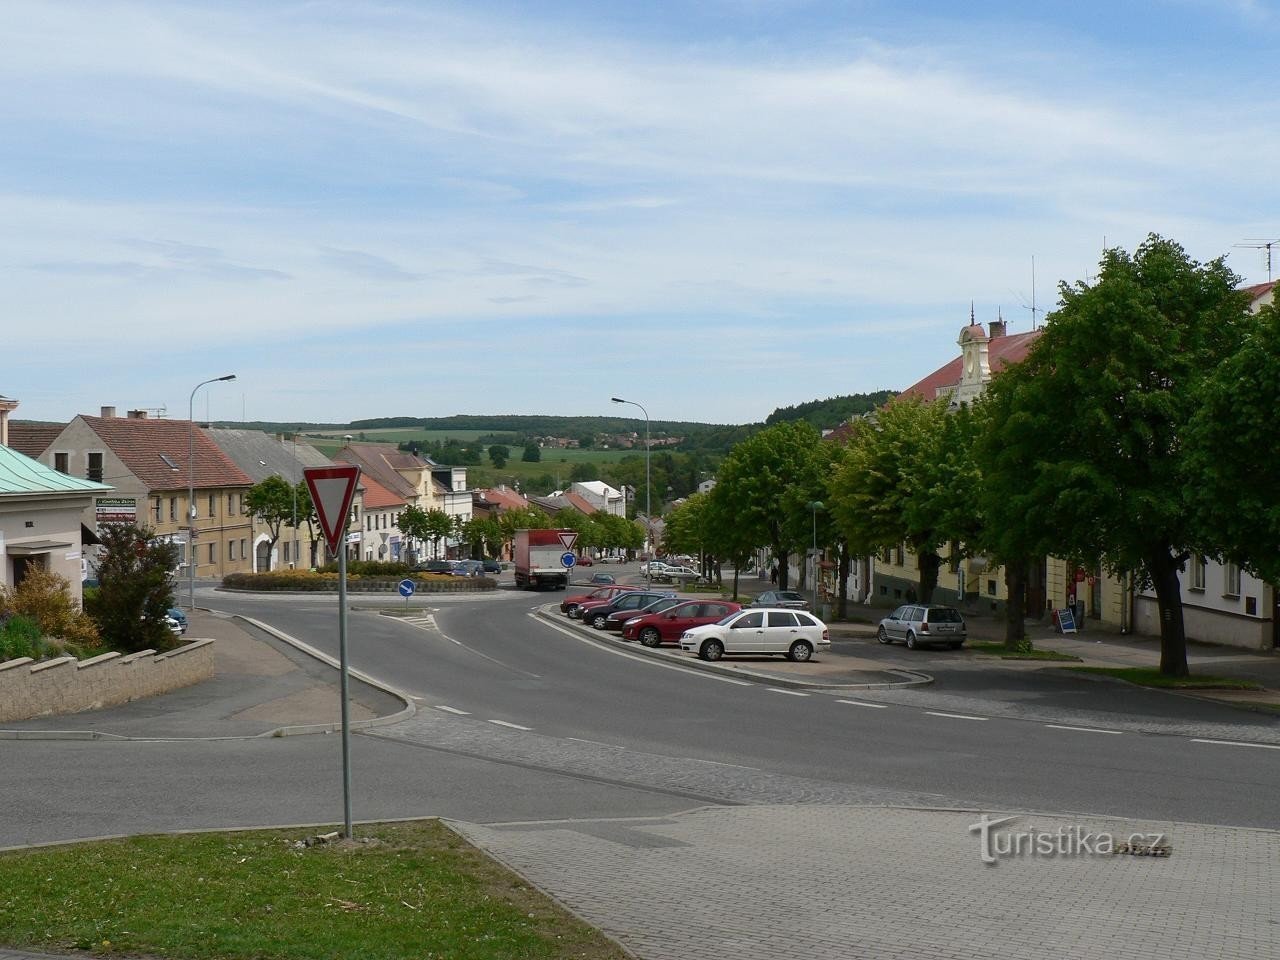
(715, 208)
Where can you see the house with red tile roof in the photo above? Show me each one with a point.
(151, 463)
(380, 537)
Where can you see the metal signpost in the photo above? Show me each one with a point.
(332, 490)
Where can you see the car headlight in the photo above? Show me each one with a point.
(633, 620)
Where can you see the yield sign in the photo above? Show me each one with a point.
(332, 490)
(568, 538)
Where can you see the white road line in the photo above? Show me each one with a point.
(955, 716)
(863, 703)
(513, 726)
(790, 693)
(1058, 726)
(1238, 743)
(461, 713)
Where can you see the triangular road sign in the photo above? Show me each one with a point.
(332, 490)
(568, 538)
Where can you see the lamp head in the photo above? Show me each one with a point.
(229, 376)
(617, 400)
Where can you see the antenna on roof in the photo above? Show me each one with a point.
(1035, 318)
(1256, 243)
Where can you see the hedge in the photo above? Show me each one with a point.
(305, 580)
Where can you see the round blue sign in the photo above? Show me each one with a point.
(407, 587)
(568, 559)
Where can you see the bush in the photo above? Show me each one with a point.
(45, 599)
(281, 580)
(135, 589)
(370, 568)
(325, 581)
(21, 637)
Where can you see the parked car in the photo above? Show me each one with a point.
(597, 614)
(652, 568)
(618, 618)
(178, 628)
(771, 630)
(782, 598)
(584, 561)
(177, 614)
(683, 574)
(603, 578)
(467, 568)
(433, 566)
(569, 605)
(491, 565)
(653, 627)
(918, 624)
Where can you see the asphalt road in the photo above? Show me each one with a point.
(490, 661)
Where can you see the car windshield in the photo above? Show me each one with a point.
(789, 595)
(944, 615)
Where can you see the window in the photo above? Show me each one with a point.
(61, 462)
(1197, 572)
(899, 553)
(213, 504)
(749, 621)
(231, 504)
(1231, 576)
(231, 549)
(95, 467)
(195, 511)
(155, 509)
(781, 618)
(173, 508)
(991, 588)
(244, 549)
(287, 558)
(213, 556)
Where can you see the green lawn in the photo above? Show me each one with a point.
(1150, 677)
(399, 892)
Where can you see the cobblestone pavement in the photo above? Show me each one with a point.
(741, 883)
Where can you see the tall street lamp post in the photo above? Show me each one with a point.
(191, 488)
(648, 512)
(815, 506)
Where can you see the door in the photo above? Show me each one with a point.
(781, 629)
(746, 634)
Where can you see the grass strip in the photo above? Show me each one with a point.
(407, 890)
(1150, 677)
(1001, 651)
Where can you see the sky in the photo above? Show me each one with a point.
(713, 208)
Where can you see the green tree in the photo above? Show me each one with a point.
(307, 516)
(587, 440)
(439, 526)
(1107, 397)
(583, 472)
(1237, 496)
(532, 453)
(413, 524)
(499, 455)
(764, 483)
(271, 501)
(135, 588)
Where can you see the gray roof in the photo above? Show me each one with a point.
(261, 454)
(20, 474)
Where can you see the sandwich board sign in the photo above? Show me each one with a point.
(332, 490)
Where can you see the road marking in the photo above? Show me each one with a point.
(790, 693)
(461, 713)
(955, 716)
(1058, 726)
(861, 703)
(1238, 743)
(513, 726)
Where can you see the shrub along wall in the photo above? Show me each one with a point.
(304, 580)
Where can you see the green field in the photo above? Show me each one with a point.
(400, 434)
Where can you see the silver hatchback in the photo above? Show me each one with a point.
(919, 624)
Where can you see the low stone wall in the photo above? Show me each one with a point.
(67, 685)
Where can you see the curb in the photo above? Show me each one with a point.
(911, 678)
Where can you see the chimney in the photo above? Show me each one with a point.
(997, 328)
(137, 415)
(108, 413)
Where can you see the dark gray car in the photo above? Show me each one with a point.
(919, 624)
(789, 599)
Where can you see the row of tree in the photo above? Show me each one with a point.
(1136, 433)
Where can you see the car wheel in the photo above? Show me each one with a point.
(882, 635)
(598, 621)
(572, 612)
(801, 651)
(650, 637)
(711, 650)
(911, 640)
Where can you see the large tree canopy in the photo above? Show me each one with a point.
(1103, 405)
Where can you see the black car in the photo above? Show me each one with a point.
(620, 616)
(782, 598)
(433, 566)
(598, 616)
(491, 565)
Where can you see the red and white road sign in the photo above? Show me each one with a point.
(332, 491)
(568, 538)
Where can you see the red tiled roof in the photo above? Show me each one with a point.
(378, 497)
(143, 445)
(377, 459)
(33, 439)
(579, 503)
(1255, 292)
(505, 499)
(1001, 352)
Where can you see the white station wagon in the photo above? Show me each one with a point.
(759, 630)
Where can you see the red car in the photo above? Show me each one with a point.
(584, 561)
(666, 627)
(569, 605)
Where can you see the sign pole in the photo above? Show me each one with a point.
(346, 712)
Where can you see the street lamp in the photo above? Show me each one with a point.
(815, 506)
(648, 513)
(191, 488)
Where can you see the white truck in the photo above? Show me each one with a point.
(537, 558)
